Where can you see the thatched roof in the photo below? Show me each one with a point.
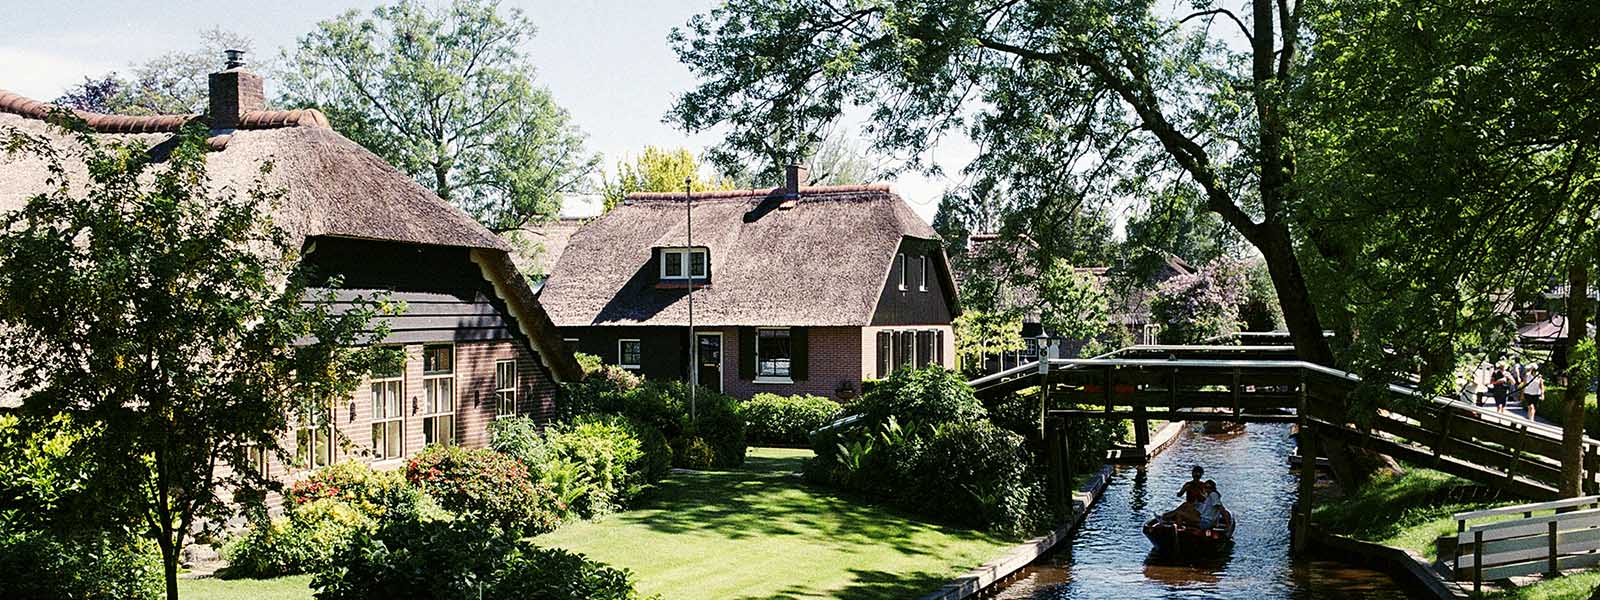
(550, 241)
(821, 262)
(334, 187)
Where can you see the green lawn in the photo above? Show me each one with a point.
(1409, 511)
(759, 532)
(293, 587)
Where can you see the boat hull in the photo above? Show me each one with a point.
(1171, 537)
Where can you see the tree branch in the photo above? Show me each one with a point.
(1224, 12)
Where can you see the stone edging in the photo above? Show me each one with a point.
(1024, 554)
(1412, 569)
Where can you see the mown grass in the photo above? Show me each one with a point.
(293, 587)
(1571, 587)
(1408, 511)
(760, 532)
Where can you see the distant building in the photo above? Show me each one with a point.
(796, 289)
(989, 255)
(478, 346)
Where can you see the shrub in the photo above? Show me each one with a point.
(657, 459)
(664, 405)
(36, 564)
(462, 559)
(601, 391)
(928, 395)
(609, 457)
(302, 542)
(694, 452)
(485, 484)
(771, 419)
(351, 482)
(520, 438)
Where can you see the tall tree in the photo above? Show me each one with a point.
(1073, 101)
(658, 170)
(172, 83)
(447, 95)
(159, 317)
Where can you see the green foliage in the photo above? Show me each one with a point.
(37, 565)
(979, 334)
(485, 485)
(694, 452)
(1071, 305)
(1191, 308)
(172, 83)
(446, 94)
(609, 459)
(145, 299)
(351, 482)
(772, 420)
(658, 170)
(663, 406)
(603, 389)
(928, 395)
(1260, 310)
(520, 437)
(302, 542)
(461, 559)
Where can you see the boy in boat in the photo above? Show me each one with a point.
(1210, 508)
(1193, 493)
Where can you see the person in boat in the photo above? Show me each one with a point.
(1193, 493)
(1211, 507)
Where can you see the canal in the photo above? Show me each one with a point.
(1109, 557)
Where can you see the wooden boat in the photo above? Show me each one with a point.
(1173, 537)
(1221, 427)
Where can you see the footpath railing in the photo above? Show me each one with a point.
(1528, 543)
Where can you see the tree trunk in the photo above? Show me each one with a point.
(169, 565)
(1577, 386)
(1299, 310)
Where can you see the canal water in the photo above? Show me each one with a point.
(1109, 557)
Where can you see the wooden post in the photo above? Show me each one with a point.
(1141, 427)
(1444, 435)
(1235, 390)
(1553, 569)
(1477, 561)
(1108, 400)
(1308, 481)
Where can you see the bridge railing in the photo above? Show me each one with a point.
(1543, 543)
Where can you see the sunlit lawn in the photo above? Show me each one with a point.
(294, 587)
(759, 532)
(1409, 511)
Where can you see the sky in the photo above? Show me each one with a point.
(606, 61)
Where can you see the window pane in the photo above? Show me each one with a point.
(902, 261)
(629, 352)
(923, 262)
(395, 439)
(674, 263)
(396, 392)
(377, 440)
(697, 263)
(438, 359)
(772, 350)
(505, 375)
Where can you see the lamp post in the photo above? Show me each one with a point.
(694, 344)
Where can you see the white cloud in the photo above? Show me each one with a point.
(42, 75)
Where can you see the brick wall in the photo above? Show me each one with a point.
(834, 359)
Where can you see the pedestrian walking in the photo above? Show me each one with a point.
(1500, 386)
(1534, 391)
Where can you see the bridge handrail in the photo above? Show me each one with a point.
(1463, 517)
(1310, 366)
(1019, 369)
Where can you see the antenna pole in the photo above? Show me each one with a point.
(694, 344)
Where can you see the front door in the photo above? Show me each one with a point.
(708, 360)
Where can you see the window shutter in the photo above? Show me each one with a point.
(938, 342)
(799, 353)
(747, 353)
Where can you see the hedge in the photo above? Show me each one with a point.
(773, 420)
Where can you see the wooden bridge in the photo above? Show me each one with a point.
(1267, 383)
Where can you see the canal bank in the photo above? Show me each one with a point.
(1003, 569)
(1108, 557)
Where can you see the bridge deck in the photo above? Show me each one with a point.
(1268, 384)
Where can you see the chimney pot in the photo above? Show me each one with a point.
(233, 58)
(795, 175)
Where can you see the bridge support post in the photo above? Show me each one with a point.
(1308, 485)
(1058, 464)
(1141, 427)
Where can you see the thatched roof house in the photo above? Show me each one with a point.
(823, 264)
(470, 311)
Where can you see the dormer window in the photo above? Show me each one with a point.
(683, 263)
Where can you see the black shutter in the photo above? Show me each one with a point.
(747, 353)
(798, 354)
(938, 342)
(924, 347)
(885, 354)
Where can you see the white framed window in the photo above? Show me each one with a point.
(922, 283)
(683, 263)
(313, 444)
(629, 353)
(388, 413)
(258, 460)
(900, 260)
(439, 394)
(505, 388)
(772, 356)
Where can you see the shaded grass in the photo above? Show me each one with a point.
(1410, 511)
(760, 532)
(293, 587)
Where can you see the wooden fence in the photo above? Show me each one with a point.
(1529, 543)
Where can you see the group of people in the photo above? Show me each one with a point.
(1202, 504)
(1505, 381)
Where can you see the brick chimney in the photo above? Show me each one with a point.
(234, 91)
(795, 175)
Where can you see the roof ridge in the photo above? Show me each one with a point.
(18, 104)
(761, 192)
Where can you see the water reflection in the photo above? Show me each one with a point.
(1110, 558)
